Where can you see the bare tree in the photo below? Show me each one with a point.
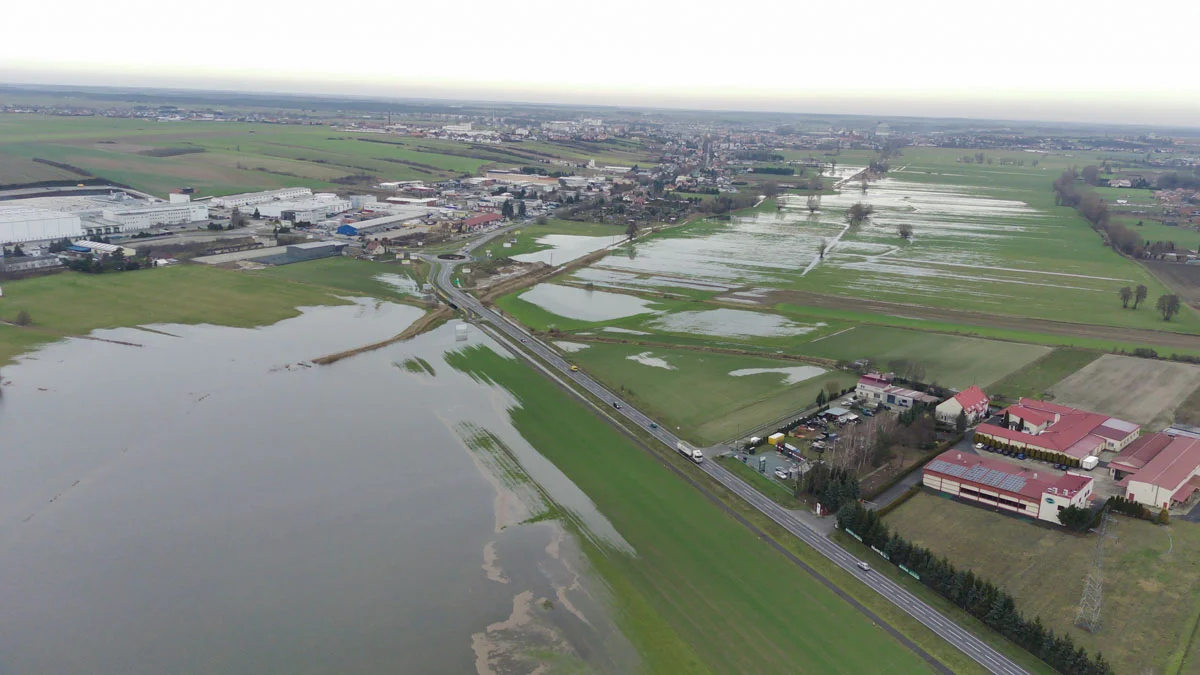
(905, 231)
(813, 203)
(822, 247)
(858, 213)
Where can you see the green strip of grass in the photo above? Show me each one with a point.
(1035, 378)
(738, 604)
(769, 487)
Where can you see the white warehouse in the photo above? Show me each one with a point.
(254, 198)
(311, 210)
(20, 224)
(153, 215)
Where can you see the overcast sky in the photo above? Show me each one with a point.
(1050, 59)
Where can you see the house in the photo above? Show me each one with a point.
(971, 401)
(1057, 433)
(1159, 471)
(375, 248)
(1007, 487)
(877, 390)
(1120, 183)
(476, 222)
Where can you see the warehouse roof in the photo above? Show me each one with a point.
(1172, 465)
(1071, 432)
(1005, 477)
(1139, 453)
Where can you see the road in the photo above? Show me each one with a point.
(968, 643)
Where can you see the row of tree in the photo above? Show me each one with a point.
(975, 595)
(833, 487)
(1092, 207)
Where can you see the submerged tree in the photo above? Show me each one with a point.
(813, 203)
(858, 213)
(905, 230)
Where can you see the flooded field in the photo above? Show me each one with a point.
(732, 323)
(563, 248)
(585, 305)
(790, 375)
(970, 248)
(203, 499)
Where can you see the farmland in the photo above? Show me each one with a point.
(1151, 574)
(717, 404)
(231, 157)
(1138, 390)
(718, 588)
(1036, 378)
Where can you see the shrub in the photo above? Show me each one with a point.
(23, 318)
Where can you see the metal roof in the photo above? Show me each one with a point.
(980, 474)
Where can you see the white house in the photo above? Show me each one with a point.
(971, 400)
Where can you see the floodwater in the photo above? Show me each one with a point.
(732, 323)
(564, 248)
(649, 359)
(211, 502)
(791, 375)
(586, 305)
(400, 282)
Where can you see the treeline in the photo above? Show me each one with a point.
(758, 156)
(774, 170)
(1067, 192)
(975, 595)
(834, 488)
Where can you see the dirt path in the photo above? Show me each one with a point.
(1133, 335)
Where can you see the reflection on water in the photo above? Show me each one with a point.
(211, 502)
(585, 305)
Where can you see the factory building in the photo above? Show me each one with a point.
(1007, 487)
(255, 198)
(311, 210)
(19, 224)
(154, 215)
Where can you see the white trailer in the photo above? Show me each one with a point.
(1089, 463)
(689, 452)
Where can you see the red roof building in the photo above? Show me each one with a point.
(1159, 471)
(1007, 487)
(877, 390)
(476, 222)
(971, 401)
(1056, 432)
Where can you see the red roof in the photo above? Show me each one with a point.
(1032, 486)
(1035, 418)
(875, 380)
(482, 219)
(1076, 433)
(1138, 453)
(1173, 465)
(971, 397)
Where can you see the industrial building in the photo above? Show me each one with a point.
(1158, 470)
(1057, 433)
(254, 198)
(877, 390)
(19, 224)
(155, 215)
(29, 263)
(312, 250)
(1007, 487)
(311, 210)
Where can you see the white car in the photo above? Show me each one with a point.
(864, 566)
(979, 446)
(781, 474)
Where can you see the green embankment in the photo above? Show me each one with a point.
(699, 576)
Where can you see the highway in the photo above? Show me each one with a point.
(968, 643)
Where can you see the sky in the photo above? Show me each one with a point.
(1048, 60)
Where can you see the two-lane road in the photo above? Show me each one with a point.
(971, 645)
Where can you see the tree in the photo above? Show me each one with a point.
(236, 219)
(1164, 517)
(1126, 294)
(1090, 174)
(905, 230)
(23, 318)
(632, 230)
(256, 214)
(521, 210)
(1168, 306)
(1139, 295)
(822, 247)
(813, 203)
(832, 389)
(1075, 518)
(859, 212)
(960, 422)
(18, 252)
(506, 210)
(821, 398)
(769, 189)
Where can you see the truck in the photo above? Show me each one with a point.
(689, 452)
(1089, 463)
(775, 439)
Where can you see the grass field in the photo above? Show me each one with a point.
(359, 277)
(950, 360)
(1151, 574)
(766, 484)
(698, 394)
(730, 604)
(75, 304)
(236, 157)
(1036, 377)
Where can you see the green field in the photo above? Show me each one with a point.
(949, 360)
(703, 594)
(71, 303)
(1036, 377)
(238, 157)
(1151, 575)
(699, 395)
(360, 277)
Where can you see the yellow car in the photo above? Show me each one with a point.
(574, 369)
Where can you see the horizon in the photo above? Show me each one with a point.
(936, 59)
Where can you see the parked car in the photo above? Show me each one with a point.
(979, 446)
(1021, 456)
(868, 413)
(781, 474)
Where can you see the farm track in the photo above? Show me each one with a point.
(1134, 335)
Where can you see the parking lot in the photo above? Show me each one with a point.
(1104, 486)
